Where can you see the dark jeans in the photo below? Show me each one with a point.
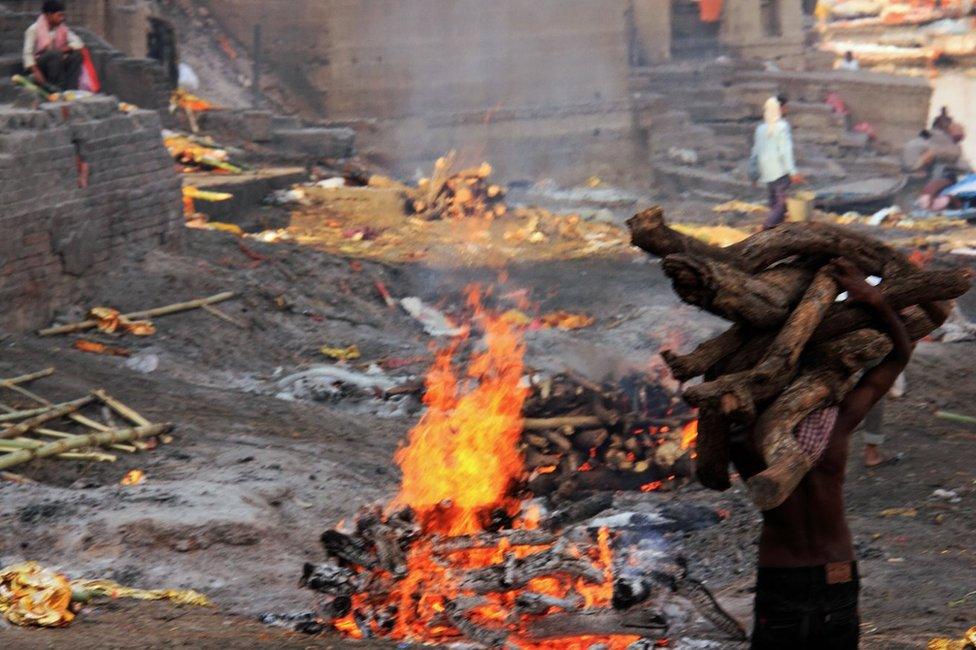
(61, 70)
(777, 202)
(797, 610)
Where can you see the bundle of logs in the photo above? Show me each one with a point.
(457, 195)
(793, 347)
(579, 435)
(371, 574)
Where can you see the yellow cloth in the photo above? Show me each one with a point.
(34, 595)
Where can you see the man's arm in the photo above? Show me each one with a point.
(74, 41)
(30, 62)
(878, 381)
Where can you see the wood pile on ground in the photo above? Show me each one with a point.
(33, 427)
(386, 577)
(580, 436)
(450, 194)
(792, 348)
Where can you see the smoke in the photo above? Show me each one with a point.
(539, 88)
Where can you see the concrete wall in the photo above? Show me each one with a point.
(57, 234)
(744, 33)
(534, 85)
(652, 27)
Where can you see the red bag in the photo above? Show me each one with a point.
(89, 78)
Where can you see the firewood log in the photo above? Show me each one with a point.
(735, 395)
(502, 578)
(712, 447)
(688, 366)
(763, 300)
(786, 462)
(578, 511)
(650, 233)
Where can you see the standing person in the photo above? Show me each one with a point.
(807, 587)
(772, 160)
(52, 52)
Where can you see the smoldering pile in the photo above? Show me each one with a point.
(579, 435)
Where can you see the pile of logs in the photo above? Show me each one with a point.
(457, 195)
(581, 436)
(362, 581)
(792, 348)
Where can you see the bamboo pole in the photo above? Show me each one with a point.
(224, 316)
(128, 413)
(27, 443)
(140, 315)
(50, 433)
(77, 417)
(20, 415)
(17, 478)
(574, 421)
(99, 439)
(53, 414)
(23, 379)
(955, 417)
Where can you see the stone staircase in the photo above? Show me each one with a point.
(712, 109)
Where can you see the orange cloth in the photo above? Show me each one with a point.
(711, 10)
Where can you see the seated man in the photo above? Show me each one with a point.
(52, 52)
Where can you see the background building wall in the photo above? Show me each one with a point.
(529, 84)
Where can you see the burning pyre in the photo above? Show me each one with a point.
(460, 554)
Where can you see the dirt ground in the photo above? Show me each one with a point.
(235, 504)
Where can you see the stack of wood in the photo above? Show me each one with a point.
(793, 348)
(579, 435)
(457, 195)
(371, 572)
(35, 429)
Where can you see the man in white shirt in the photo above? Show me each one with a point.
(848, 63)
(52, 52)
(772, 160)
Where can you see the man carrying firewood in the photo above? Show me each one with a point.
(807, 588)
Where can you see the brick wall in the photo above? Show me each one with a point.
(58, 235)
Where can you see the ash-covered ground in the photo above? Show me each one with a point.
(257, 470)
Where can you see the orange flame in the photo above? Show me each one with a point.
(462, 456)
(689, 434)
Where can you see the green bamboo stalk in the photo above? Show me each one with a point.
(53, 413)
(955, 417)
(99, 439)
(23, 379)
(77, 417)
(20, 415)
(50, 433)
(27, 443)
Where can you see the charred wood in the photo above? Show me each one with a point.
(575, 512)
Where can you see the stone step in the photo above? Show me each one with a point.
(10, 64)
(687, 178)
(719, 112)
(248, 189)
(697, 138)
(318, 143)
